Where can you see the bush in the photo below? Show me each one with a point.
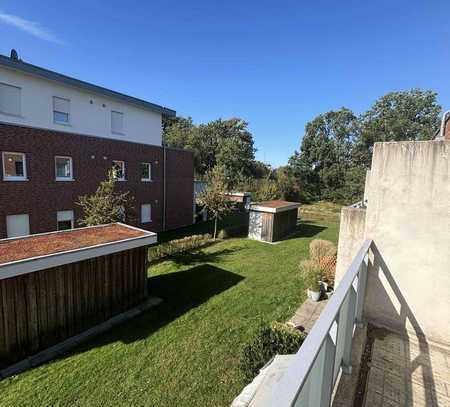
(178, 246)
(233, 231)
(277, 338)
(311, 274)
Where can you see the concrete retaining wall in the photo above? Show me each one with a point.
(351, 237)
(408, 217)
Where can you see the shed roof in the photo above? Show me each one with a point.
(35, 252)
(274, 206)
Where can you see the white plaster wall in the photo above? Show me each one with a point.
(140, 125)
(351, 238)
(408, 217)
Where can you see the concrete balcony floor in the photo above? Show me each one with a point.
(396, 370)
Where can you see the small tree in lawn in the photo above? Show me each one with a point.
(213, 197)
(105, 205)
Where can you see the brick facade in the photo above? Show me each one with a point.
(42, 196)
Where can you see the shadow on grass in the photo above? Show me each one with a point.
(180, 292)
(200, 256)
(305, 229)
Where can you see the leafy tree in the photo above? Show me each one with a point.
(396, 116)
(325, 154)
(105, 205)
(288, 187)
(223, 142)
(177, 131)
(213, 197)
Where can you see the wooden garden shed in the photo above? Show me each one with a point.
(56, 285)
(272, 220)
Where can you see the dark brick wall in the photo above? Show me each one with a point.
(179, 187)
(41, 196)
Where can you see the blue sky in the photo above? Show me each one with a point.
(276, 64)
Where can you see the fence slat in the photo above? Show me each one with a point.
(32, 311)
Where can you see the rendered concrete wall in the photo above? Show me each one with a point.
(408, 217)
(351, 238)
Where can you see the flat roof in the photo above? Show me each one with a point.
(19, 65)
(274, 206)
(31, 253)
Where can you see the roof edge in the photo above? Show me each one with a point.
(76, 83)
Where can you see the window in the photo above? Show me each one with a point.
(146, 172)
(119, 170)
(61, 110)
(63, 168)
(10, 99)
(64, 220)
(116, 122)
(146, 213)
(17, 225)
(14, 167)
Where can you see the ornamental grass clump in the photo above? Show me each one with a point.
(311, 274)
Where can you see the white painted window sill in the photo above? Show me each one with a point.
(14, 179)
(19, 116)
(64, 179)
(62, 123)
(146, 180)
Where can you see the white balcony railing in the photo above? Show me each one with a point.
(326, 351)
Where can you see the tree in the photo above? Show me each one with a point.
(177, 131)
(224, 142)
(288, 186)
(213, 197)
(325, 155)
(105, 205)
(397, 116)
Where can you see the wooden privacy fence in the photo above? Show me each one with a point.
(42, 308)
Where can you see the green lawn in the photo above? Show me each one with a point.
(185, 351)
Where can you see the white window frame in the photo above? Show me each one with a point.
(70, 178)
(72, 220)
(149, 179)
(150, 213)
(121, 133)
(67, 123)
(14, 178)
(19, 113)
(124, 174)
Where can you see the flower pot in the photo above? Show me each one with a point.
(314, 295)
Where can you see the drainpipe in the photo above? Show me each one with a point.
(164, 185)
(444, 117)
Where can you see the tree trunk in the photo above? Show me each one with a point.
(215, 228)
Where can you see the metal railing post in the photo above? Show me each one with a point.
(361, 294)
(348, 332)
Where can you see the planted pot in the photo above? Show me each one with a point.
(314, 295)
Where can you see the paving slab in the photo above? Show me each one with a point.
(308, 313)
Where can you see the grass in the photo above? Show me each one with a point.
(185, 351)
(234, 219)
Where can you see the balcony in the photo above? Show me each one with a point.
(346, 362)
(383, 339)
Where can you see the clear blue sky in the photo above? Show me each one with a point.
(276, 64)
